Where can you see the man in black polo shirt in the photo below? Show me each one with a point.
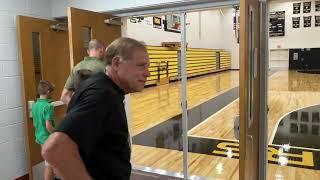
(92, 140)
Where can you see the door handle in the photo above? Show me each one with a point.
(30, 104)
(252, 52)
(255, 63)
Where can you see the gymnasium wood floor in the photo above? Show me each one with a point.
(288, 91)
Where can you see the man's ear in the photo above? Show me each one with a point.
(115, 63)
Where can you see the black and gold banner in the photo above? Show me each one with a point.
(295, 22)
(157, 22)
(306, 7)
(307, 21)
(277, 23)
(317, 21)
(317, 6)
(296, 8)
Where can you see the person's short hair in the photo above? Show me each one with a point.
(45, 86)
(122, 47)
(95, 44)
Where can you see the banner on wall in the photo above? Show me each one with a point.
(157, 22)
(277, 23)
(296, 8)
(317, 21)
(295, 22)
(306, 7)
(236, 22)
(307, 21)
(136, 19)
(317, 5)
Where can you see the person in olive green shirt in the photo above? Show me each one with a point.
(43, 119)
(90, 65)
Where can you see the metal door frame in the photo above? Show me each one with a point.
(183, 7)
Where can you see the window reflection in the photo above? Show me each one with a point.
(315, 130)
(304, 116)
(315, 117)
(303, 129)
(294, 128)
(294, 116)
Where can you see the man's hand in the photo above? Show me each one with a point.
(61, 152)
(66, 96)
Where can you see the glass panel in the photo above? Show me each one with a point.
(213, 94)
(36, 52)
(156, 111)
(294, 96)
(86, 35)
(36, 57)
(293, 120)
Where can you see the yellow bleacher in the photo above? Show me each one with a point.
(199, 61)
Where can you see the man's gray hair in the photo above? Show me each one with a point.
(122, 47)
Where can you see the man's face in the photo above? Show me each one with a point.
(98, 53)
(133, 72)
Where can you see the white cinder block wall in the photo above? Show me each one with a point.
(303, 37)
(207, 36)
(294, 37)
(13, 160)
(215, 30)
(229, 39)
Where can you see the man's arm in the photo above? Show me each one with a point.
(67, 91)
(66, 96)
(80, 129)
(61, 152)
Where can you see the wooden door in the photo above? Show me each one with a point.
(78, 21)
(253, 78)
(50, 61)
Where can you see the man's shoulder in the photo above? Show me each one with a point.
(93, 65)
(79, 64)
(101, 82)
(97, 80)
(99, 77)
(92, 89)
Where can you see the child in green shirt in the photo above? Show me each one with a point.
(43, 119)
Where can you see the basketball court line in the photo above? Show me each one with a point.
(278, 122)
(215, 114)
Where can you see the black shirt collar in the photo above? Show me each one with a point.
(115, 86)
